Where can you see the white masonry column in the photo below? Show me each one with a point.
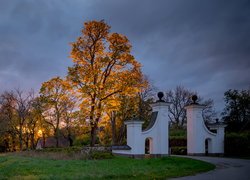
(161, 143)
(219, 141)
(134, 137)
(195, 137)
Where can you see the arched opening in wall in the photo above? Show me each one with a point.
(148, 146)
(208, 146)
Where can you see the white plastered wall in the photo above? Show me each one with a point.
(158, 133)
(197, 133)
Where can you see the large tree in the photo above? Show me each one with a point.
(35, 121)
(16, 113)
(23, 104)
(103, 67)
(57, 101)
(8, 121)
(237, 111)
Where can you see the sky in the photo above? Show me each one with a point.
(201, 45)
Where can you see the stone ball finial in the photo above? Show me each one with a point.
(160, 96)
(217, 120)
(194, 99)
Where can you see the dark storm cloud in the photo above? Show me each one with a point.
(195, 38)
(34, 45)
(202, 45)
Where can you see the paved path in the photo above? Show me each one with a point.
(226, 169)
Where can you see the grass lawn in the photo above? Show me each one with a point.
(20, 167)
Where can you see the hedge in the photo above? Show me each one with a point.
(177, 141)
(178, 145)
(237, 144)
(179, 150)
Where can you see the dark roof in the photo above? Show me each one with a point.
(125, 147)
(152, 120)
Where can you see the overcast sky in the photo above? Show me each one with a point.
(201, 45)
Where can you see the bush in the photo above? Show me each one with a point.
(177, 141)
(3, 148)
(178, 145)
(179, 150)
(67, 150)
(237, 144)
(101, 155)
(82, 140)
(4, 145)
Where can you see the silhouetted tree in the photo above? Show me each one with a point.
(237, 111)
(16, 116)
(179, 98)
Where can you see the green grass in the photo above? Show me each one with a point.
(19, 167)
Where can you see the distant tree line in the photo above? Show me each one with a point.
(25, 117)
(57, 112)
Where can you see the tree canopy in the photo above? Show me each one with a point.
(103, 68)
(237, 110)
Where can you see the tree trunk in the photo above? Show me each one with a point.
(122, 135)
(70, 140)
(57, 137)
(13, 148)
(113, 126)
(92, 123)
(70, 137)
(44, 140)
(33, 140)
(27, 141)
(93, 135)
(57, 125)
(21, 137)
(6, 145)
(57, 142)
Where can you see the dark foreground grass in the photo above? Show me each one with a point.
(19, 167)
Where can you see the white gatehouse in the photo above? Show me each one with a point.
(154, 140)
(200, 139)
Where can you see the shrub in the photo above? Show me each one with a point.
(179, 150)
(100, 155)
(177, 141)
(67, 150)
(178, 145)
(82, 140)
(237, 144)
(3, 148)
(4, 145)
